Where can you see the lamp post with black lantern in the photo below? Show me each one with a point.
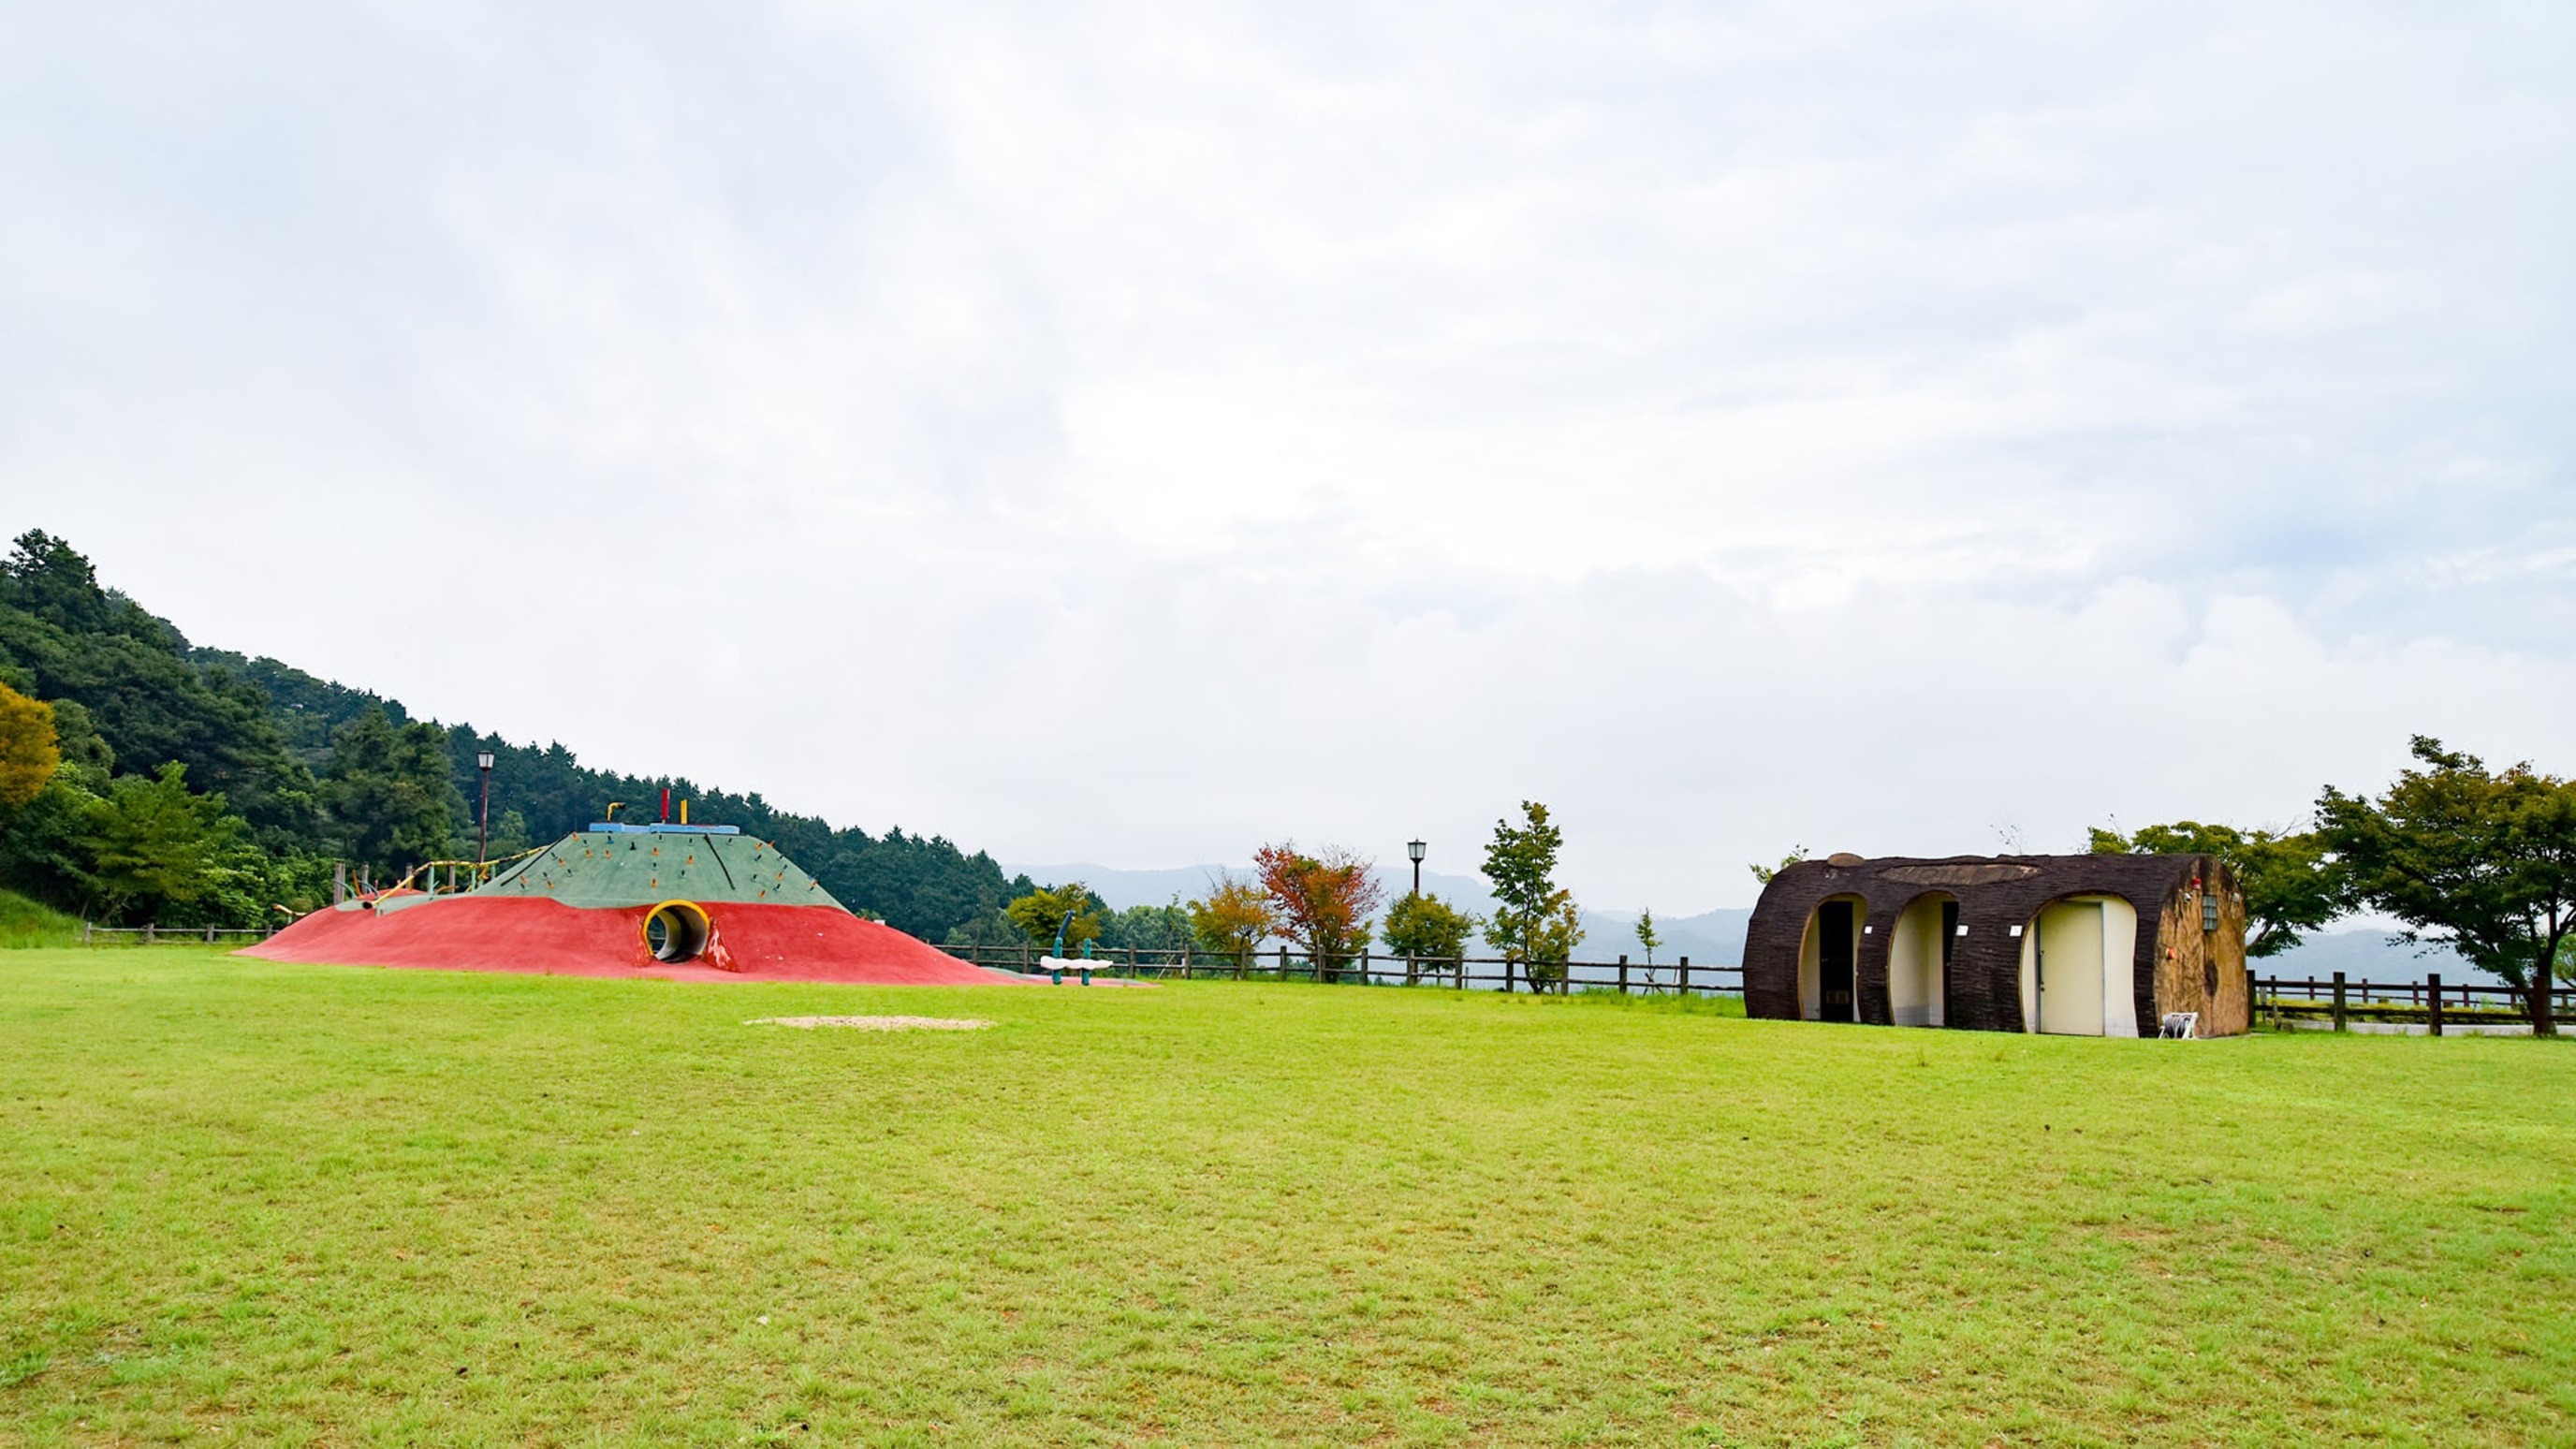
(1415, 850)
(483, 822)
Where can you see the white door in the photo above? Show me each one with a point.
(2070, 969)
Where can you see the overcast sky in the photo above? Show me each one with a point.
(1135, 433)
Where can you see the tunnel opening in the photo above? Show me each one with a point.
(677, 931)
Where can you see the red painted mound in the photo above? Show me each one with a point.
(752, 942)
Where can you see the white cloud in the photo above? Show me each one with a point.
(1104, 433)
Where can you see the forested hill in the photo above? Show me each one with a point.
(281, 773)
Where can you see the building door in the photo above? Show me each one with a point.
(2070, 968)
(1835, 940)
(1949, 943)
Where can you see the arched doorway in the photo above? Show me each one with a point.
(1918, 961)
(2077, 968)
(1828, 960)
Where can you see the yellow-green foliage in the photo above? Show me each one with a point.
(28, 755)
(250, 1203)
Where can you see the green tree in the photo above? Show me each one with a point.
(68, 639)
(1148, 928)
(1646, 937)
(2483, 862)
(1763, 873)
(2289, 884)
(1535, 921)
(1427, 928)
(1041, 911)
(160, 853)
(509, 836)
(391, 793)
(45, 845)
(991, 931)
(1233, 918)
(84, 750)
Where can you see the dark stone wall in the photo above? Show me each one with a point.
(1995, 894)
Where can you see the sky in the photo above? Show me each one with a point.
(1107, 433)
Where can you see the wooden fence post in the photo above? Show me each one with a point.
(210, 935)
(84, 933)
(2338, 1001)
(1685, 974)
(1283, 963)
(1623, 976)
(147, 933)
(2433, 1003)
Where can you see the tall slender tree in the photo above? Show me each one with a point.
(1535, 921)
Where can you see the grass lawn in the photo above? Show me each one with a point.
(264, 1203)
(25, 923)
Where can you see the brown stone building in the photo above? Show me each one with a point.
(2084, 945)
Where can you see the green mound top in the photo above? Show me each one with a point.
(626, 868)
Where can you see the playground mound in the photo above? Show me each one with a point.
(700, 905)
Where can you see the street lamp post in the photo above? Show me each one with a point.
(483, 824)
(1415, 850)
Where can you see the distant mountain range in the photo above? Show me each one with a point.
(1716, 938)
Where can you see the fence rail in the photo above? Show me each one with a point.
(2430, 1001)
(2427, 999)
(152, 935)
(1677, 977)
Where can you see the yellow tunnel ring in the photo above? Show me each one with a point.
(684, 931)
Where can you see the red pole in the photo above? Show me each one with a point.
(666, 804)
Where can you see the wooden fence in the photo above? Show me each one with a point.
(2430, 1001)
(1677, 977)
(151, 935)
(2336, 997)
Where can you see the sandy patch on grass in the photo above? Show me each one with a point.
(875, 1023)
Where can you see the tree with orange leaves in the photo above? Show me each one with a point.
(1324, 901)
(1234, 917)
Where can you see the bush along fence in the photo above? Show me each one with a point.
(2431, 1003)
(1479, 973)
(151, 935)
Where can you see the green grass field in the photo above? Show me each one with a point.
(243, 1202)
(24, 923)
